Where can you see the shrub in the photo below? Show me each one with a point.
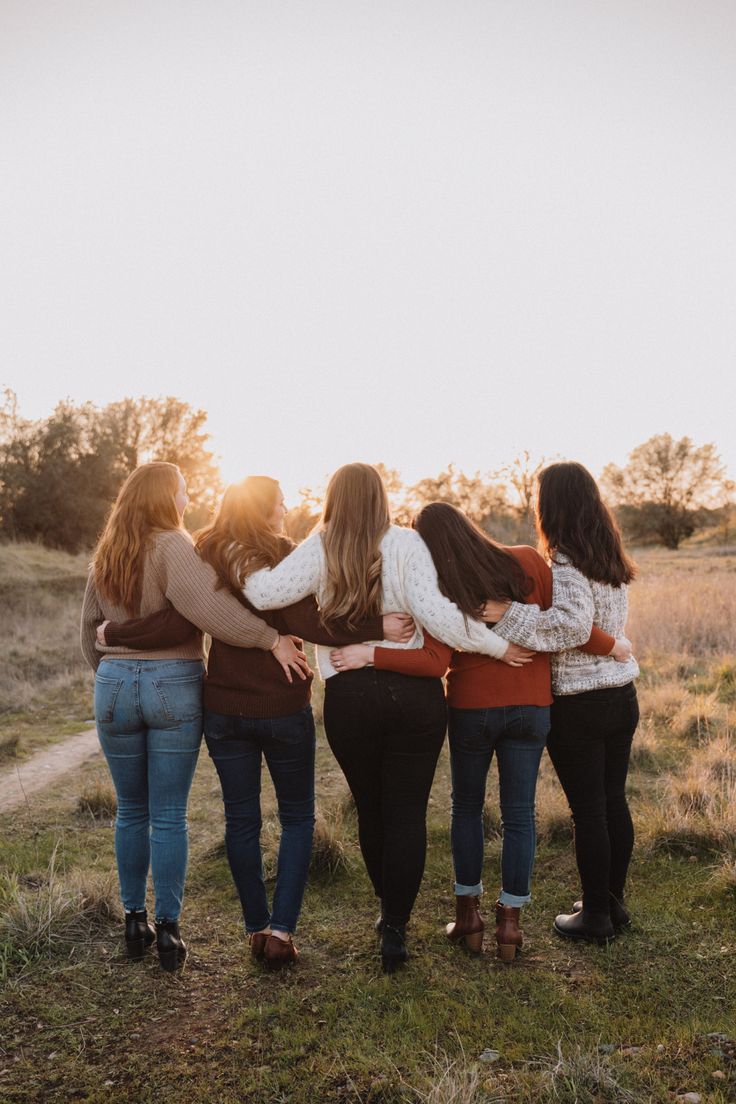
(696, 812)
(8, 745)
(57, 910)
(329, 855)
(98, 800)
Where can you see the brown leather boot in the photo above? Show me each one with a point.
(278, 952)
(257, 941)
(468, 924)
(509, 937)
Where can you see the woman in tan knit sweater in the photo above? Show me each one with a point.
(148, 704)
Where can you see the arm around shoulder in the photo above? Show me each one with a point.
(191, 585)
(296, 576)
(437, 613)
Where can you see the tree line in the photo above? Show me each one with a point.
(58, 476)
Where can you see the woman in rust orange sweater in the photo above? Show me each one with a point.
(492, 708)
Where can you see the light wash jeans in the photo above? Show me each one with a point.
(236, 745)
(517, 734)
(149, 721)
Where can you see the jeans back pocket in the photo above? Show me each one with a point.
(106, 694)
(180, 696)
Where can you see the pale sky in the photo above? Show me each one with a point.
(416, 232)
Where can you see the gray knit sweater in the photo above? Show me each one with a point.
(578, 603)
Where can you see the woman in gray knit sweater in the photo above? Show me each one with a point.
(595, 710)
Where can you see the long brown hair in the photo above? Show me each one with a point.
(573, 519)
(239, 539)
(470, 566)
(145, 505)
(354, 519)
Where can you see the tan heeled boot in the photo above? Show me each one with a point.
(509, 938)
(468, 923)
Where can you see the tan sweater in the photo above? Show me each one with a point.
(175, 575)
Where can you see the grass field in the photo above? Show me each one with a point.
(649, 1018)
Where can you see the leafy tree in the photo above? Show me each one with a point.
(663, 489)
(59, 475)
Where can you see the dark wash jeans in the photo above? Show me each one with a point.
(590, 745)
(236, 745)
(386, 731)
(517, 734)
(149, 721)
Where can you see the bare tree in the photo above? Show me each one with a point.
(664, 487)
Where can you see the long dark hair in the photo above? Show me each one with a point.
(470, 566)
(573, 519)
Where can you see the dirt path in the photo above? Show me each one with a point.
(24, 779)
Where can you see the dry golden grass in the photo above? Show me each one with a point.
(660, 701)
(695, 809)
(699, 717)
(45, 685)
(684, 604)
(98, 800)
(56, 909)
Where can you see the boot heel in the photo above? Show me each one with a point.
(169, 960)
(136, 948)
(507, 951)
(474, 942)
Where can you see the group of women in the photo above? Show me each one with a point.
(532, 645)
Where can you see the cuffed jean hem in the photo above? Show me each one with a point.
(249, 929)
(282, 928)
(513, 901)
(468, 891)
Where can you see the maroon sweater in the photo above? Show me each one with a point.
(246, 682)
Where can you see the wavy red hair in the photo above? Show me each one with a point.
(145, 505)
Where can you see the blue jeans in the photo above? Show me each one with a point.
(149, 721)
(235, 745)
(517, 734)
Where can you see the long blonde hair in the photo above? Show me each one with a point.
(239, 539)
(354, 519)
(145, 505)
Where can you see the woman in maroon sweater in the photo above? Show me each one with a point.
(249, 711)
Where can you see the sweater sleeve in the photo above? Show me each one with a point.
(296, 576)
(91, 617)
(166, 628)
(438, 614)
(599, 643)
(430, 661)
(303, 619)
(566, 624)
(190, 585)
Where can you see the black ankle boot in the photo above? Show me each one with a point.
(619, 916)
(172, 950)
(138, 933)
(393, 947)
(593, 927)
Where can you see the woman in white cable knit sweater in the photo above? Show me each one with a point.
(385, 729)
(595, 710)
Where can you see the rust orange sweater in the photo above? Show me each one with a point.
(479, 682)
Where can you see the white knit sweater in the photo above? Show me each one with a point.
(409, 585)
(578, 603)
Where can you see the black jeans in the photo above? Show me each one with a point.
(589, 744)
(386, 731)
